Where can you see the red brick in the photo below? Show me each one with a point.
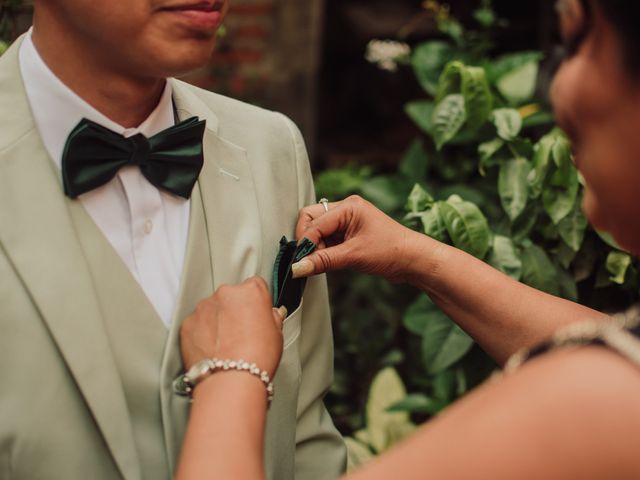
(239, 56)
(257, 9)
(251, 31)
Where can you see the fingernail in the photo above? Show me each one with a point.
(303, 268)
(283, 312)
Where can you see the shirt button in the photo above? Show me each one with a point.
(148, 226)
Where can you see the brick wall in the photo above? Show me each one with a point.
(243, 62)
(269, 55)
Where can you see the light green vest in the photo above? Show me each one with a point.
(142, 347)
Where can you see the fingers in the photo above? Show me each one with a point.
(309, 214)
(322, 261)
(331, 224)
(279, 314)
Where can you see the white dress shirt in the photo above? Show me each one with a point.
(147, 227)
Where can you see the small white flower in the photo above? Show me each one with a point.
(386, 53)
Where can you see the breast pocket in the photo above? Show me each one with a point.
(292, 326)
(281, 418)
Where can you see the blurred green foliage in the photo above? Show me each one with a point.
(8, 10)
(490, 175)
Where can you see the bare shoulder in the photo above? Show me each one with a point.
(570, 414)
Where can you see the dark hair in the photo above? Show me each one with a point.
(625, 17)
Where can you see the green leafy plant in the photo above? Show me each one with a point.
(384, 426)
(493, 176)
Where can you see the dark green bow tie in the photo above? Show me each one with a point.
(170, 160)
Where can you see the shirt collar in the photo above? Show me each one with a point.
(57, 109)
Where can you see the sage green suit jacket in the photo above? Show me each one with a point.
(63, 404)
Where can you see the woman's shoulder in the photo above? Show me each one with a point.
(620, 334)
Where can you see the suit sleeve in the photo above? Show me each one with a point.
(320, 450)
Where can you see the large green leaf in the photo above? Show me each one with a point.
(428, 60)
(617, 265)
(443, 344)
(510, 62)
(453, 28)
(399, 431)
(444, 384)
(362, 436)
(487, 151)
(573, 227)
(504, 257)
(417, 315)
(471, 82)
(567, 284)
(3, 47)
(519, 85)
(419, 200)
(565, 255)
(433, 224)
(508, 123)
(523, 147)
(448, 118)
(522, 226)
(478, 100)
(421, 112)
(418, 403)
(450, 81)
(414, 163)
(560, 195)
(387, 389)
(541, 162)
(513, 186)
(607, 238)
(538, 119)
(387, 192)
(338, 183)
(357, 453)
(466, 225)
(538, 271)
(561, 151)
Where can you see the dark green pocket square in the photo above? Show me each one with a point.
(288, 291)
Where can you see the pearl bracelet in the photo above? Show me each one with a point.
(185, 384)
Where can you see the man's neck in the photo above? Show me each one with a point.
(125, 100)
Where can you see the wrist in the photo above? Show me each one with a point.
(206, 368)
(232, 384)
(424, 257)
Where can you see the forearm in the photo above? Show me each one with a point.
(501, 314)
(225, 435)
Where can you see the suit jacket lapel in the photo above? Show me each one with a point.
(39, 238)
(224, 246)
(229, 197)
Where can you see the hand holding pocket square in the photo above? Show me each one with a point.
(236, 322)
(286, 290)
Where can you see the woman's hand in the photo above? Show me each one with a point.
(354, 234)
(236, 322)
(225, 436)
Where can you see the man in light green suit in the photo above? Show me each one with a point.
(93, 288)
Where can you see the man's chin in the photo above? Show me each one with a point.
(181, 65)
